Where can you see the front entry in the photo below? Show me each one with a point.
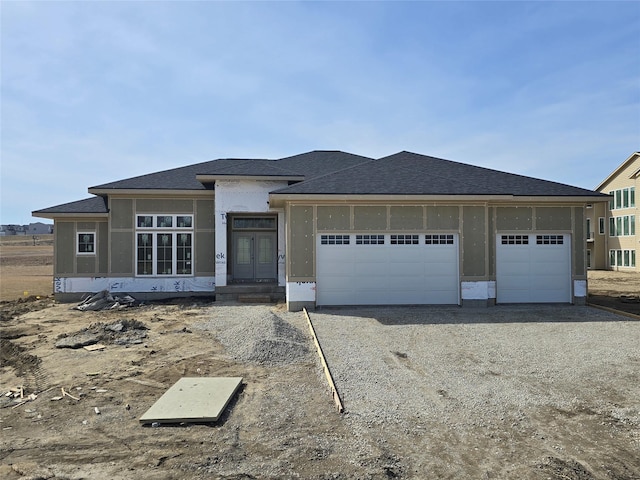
(254, 252)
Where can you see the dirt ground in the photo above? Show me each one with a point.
(282, 424)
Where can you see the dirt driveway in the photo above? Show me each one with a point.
(513, 392)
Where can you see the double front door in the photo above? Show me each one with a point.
(254, 256)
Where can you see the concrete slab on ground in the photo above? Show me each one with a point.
(193, 399)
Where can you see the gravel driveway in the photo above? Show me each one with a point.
(503, 392)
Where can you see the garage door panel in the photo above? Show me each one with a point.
(534, 271)
(388, 274)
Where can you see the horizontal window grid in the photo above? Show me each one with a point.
(405, 239)
(369, 239)
(514, 239)
(159, 222)
(549, 240)
(334, 239)
(438, 239)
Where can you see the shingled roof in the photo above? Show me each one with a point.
(408, 173)
(340, 173)
(92, 205)
(307, 165)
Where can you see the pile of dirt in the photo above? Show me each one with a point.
(123, 332)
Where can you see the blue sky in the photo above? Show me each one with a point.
(93, 92)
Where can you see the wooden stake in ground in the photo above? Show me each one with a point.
(325, 366)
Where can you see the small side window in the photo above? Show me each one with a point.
(86, 243)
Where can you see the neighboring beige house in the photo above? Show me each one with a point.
(613, 241)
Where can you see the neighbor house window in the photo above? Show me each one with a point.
(86, 243)
(622, 258)
(164, 245)
(601, 225)
(632, 197)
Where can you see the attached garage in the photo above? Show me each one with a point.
(533, 268)
(387, 269)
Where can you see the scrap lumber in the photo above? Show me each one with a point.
(68, 394)
(325, 366)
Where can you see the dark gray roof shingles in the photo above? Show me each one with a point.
(88, 205)
(407, 173)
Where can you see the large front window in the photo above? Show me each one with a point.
(164, 245)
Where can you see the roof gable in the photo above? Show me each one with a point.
(635, 156)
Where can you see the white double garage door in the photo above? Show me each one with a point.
(414, 269)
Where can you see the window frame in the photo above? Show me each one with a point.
(175, 255)
(93, 242)
(601, 226)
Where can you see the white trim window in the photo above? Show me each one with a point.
(622, 226)
(86, 243)
(601, 225)
(622, 258)
(622, 198)
(164, 245)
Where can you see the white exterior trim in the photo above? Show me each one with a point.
(237, 196)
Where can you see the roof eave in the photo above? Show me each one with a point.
(54, 215)
(279, 199)
(150, 191)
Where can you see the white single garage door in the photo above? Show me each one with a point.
(383, 269)
(533, 268)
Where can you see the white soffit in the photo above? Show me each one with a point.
(193, 399)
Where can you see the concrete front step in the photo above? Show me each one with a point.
(250, 293)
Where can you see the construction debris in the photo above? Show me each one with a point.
(123, 332)
(106, 301)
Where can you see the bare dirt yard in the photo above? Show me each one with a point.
(532, 392)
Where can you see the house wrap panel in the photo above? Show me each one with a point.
(553, 218)
(406, 218)
(205, 215)
(370, 217)
(205, 253)
(491, 240)
(163, 205)
(121, 213)
(473, 241)
(86, 265)
(102, 235)
(334, 217)
(65, 247)
(122, 253)
(301, 244)
(443, 218)
(514, 218)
